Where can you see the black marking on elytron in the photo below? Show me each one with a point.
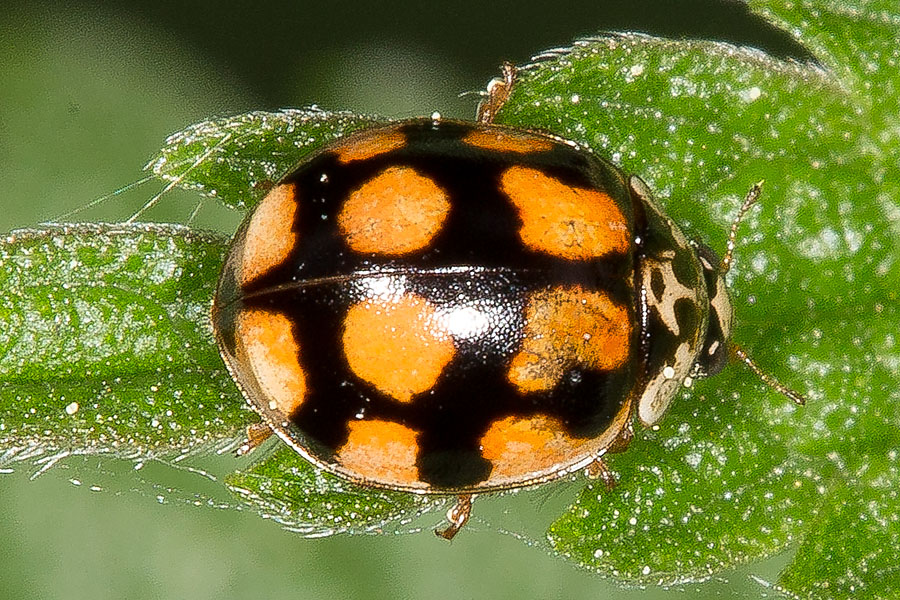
(473, 391)
(482, 227)
(225, 314)
(481, 231)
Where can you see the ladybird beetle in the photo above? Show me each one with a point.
(448, 307)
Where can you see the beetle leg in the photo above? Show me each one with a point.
(497, 94)
(599, 470)
(623, 440)
(257, 433)
(458, 515)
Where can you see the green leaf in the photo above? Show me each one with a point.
(735, 472)
(856, 42)
(110, 322)
(237, 159)
(107, 347)
(289, 490)
(704, 492)
(851, 550)
(106, 344)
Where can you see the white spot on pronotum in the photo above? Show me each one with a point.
(72, 408)
(636, 70)
(668, 372)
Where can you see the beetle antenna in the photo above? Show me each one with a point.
(749, 201)
(736, 351)
(770, 381)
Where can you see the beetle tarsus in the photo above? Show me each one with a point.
(257, 433)
(622, 440)
(458, 515)
(599, 470)
(498, 91)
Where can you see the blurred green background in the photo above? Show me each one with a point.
(88, 92)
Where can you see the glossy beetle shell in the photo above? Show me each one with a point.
(449, 307)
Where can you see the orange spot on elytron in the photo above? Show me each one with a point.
(507, 141)
(565, 327)
(369, 145)
(397, 345)
(396, 212)
(381, 451)
(565, 221)
(522, 446)
(267, 344)
(269, 237)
